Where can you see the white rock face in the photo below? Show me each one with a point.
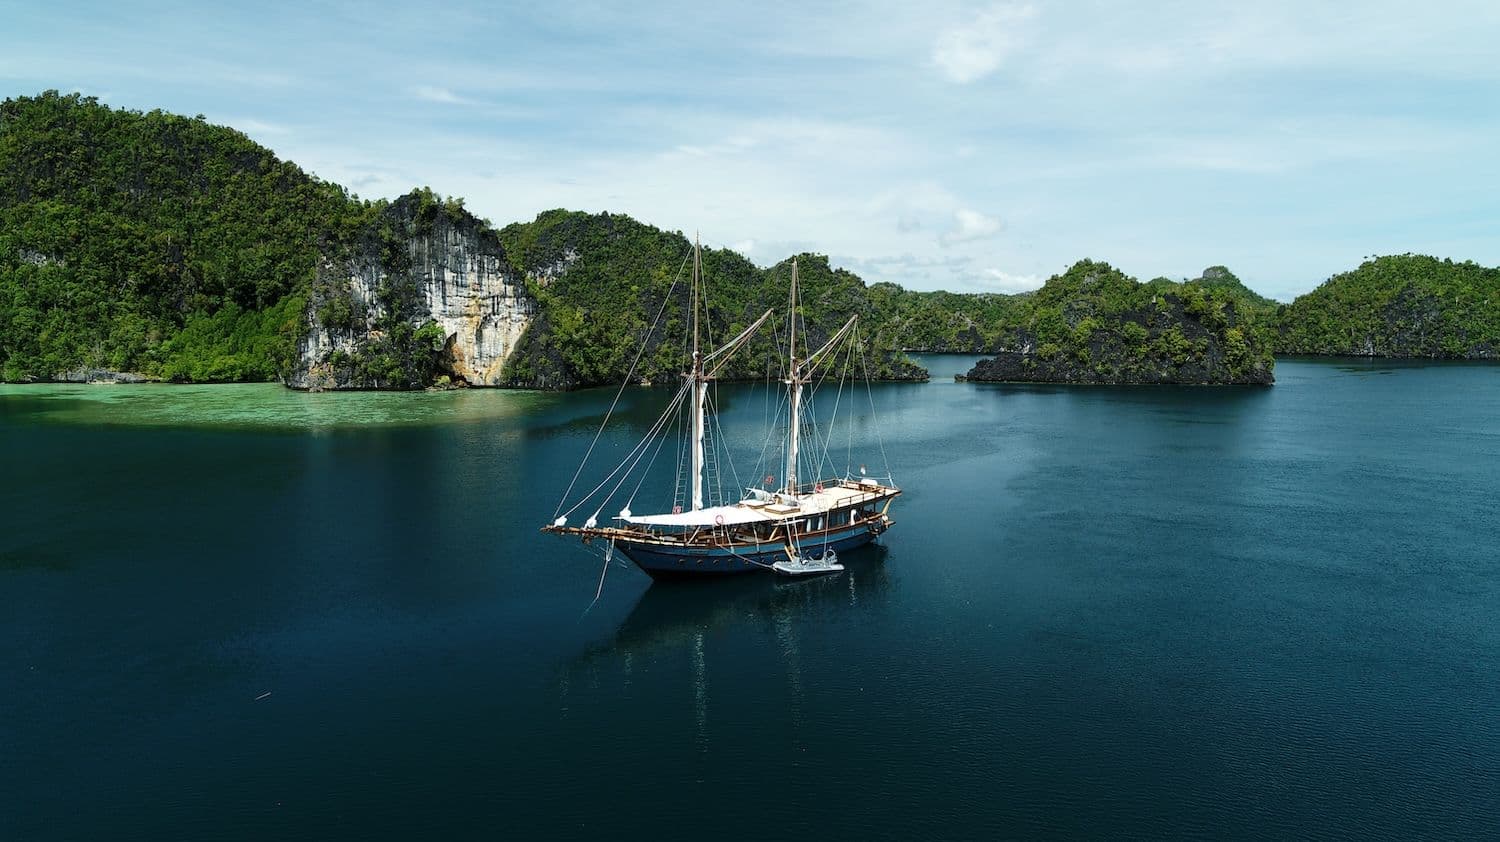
(461, 280)
(480, 304)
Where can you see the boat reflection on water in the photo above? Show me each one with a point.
(675, 620)
(675, 613)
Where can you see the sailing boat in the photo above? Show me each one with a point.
(765, 527)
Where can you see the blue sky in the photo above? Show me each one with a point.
(963, 146)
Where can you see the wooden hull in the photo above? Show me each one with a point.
(662, 560)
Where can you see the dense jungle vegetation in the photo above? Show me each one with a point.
(1095, 324)
(154, 243)
(1404, 305)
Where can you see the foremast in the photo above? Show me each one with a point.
(795, 381)
(705, 366)
(700, 384)
(802, 371)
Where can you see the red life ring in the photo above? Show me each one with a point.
(719, 519)
(818, 487)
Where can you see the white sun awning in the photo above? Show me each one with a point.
(711, 516)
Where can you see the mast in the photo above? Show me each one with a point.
(796, 402)
(700, 384)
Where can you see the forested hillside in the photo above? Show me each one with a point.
(943, 321)
(154, 243)
(600, 281)
(1250, 303)
(1405, 305)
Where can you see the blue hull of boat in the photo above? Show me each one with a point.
(665, 561)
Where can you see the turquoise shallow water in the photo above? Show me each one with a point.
(264, 406)
(1102, 612)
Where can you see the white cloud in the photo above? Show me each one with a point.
(253, 126)
(1012, 284)
(744, 247)
(1295, 144)
(978, 47)
(914, 199)
(910, 270)
(970, 225)
(102, 97)
(1331, 130)
(431, 93)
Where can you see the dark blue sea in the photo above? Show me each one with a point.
(239, 612)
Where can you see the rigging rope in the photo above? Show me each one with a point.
(638, 354)
(832, 418)
(645, 473)
(640, 450)
(720, 438)
(609, 555)
(879, 439)
(650, 434)
(771, 430)
(849, 370)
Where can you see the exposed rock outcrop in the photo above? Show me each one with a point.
(427, 293)
(100, 375)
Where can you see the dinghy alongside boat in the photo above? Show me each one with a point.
(809, 565)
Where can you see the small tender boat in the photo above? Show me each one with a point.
(806, 565)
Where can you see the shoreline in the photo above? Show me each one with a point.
(130, 379)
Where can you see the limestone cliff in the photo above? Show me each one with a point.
(427, 293)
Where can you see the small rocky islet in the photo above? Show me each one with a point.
(1095, 325)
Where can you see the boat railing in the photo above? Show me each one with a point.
(836, 482)
(861, 493)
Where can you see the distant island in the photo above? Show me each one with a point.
(155, 246)
(1406, 305)
(1095, 325)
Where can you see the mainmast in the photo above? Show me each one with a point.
(796, 401)
(700, 383)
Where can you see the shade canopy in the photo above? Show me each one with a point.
(711, 516)
(822, 500)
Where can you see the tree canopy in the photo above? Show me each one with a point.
(152, 242)
(1406, 305)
